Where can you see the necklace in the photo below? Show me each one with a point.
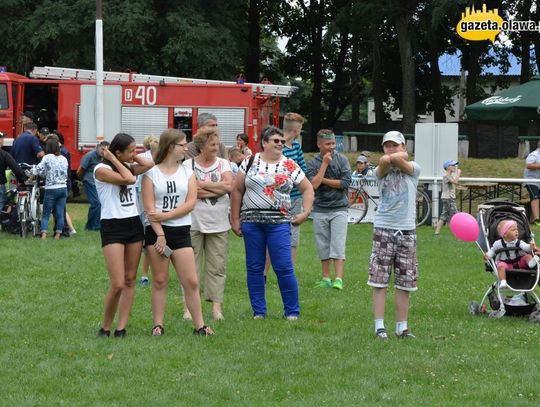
(267, 167)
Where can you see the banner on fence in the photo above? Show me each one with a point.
(371, 187)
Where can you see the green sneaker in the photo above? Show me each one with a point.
(324, 283)
(338, 284)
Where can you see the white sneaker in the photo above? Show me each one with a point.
(503, 284)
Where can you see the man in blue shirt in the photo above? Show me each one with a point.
(86, 172)
(26, 147)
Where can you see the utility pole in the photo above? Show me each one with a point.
(99, 73)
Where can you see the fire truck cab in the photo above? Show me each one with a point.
(137, 104)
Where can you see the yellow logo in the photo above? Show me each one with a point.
(476, 25)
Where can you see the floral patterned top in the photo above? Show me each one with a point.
(55, 170)
(267, 197)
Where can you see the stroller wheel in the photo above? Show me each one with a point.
(474, 308)
(497, 314)
(534, 316)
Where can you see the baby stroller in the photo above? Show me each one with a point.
(519, 298)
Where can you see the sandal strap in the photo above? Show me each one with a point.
(158, 330)
(203, 331)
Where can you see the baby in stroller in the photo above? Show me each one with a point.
(506, 253)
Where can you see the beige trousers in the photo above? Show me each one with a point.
(211, 251)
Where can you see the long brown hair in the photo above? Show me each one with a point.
(120, 142)
(168, 138)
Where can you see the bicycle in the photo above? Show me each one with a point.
(360, 201)
(28, 205)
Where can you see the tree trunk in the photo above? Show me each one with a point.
(408, 102)
(355, 86)
(253, 48)
(470, 61)
(525, 43)
(315, 15)
(436, 85)
(535, 36)
(338, 85)
(376, 78)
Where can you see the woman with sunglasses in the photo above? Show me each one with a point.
(260, 204)
(169, 193)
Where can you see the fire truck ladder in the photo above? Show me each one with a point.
(48, 72)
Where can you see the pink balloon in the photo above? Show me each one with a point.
(464, 227)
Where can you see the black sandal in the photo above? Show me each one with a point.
(203, 331)
(120, 333)
(102, 333)
(158, 330)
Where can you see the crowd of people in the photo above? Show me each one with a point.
(177, 201)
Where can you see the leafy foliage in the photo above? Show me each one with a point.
(339, 52)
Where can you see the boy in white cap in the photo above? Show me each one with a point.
(394, 234)
(448, 196)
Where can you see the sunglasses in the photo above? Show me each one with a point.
(277, 140)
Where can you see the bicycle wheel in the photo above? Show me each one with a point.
(23, 212)
(36, 214)
(358, 206)
(423, 207)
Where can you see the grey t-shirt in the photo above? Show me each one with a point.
(397, 199)
(448, 188)
(328, 199)
(533, 158)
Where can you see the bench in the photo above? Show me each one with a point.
(525, 145)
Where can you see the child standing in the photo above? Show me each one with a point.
(394, 234)
(512, 257)
(330, 175)
(448, 196)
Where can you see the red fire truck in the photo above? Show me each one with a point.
(137, 104)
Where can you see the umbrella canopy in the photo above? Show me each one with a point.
(518, 104)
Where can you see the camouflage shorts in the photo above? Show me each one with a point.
(393, 249)
(449, 209)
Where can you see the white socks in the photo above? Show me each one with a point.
(379, 324)
(401, 326)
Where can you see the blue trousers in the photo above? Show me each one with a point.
(54, 200)
(277, 238)
(94, 210)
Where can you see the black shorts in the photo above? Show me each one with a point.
(533, 191)
(177, 237)
(125, 230)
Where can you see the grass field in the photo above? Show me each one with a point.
(51, 299)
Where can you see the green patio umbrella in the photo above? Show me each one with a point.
(519, 104)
